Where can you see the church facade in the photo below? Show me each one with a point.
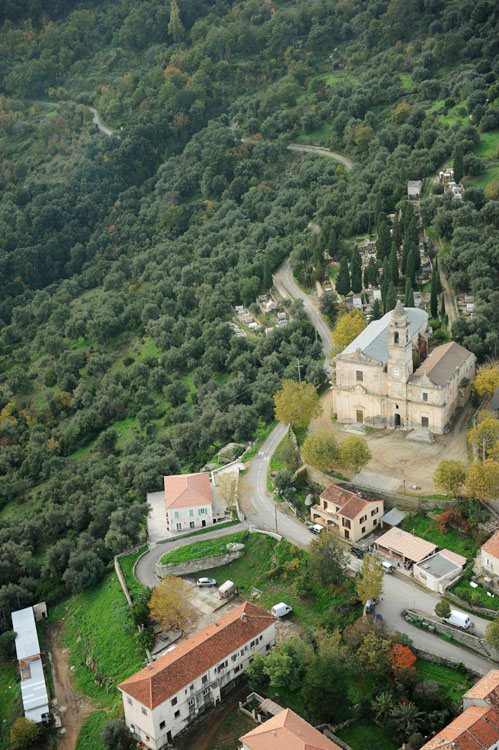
(385, 377)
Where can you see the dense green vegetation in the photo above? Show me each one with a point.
(10, 701)
(203, 549)
(454, 539)
(91, 730)
(121, 256)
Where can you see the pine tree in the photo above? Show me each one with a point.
(410, 271)
(343, 285)
(391, 298)
(458, 164)
(356, 268)
(409, 294)
(434, 295)
(394, 265)
(383, 241)
(376, 310)
(267, 274)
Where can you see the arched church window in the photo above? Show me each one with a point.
(396, 337)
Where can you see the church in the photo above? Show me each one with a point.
(385, 377)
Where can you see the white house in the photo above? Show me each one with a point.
(188, 500)
(33, 687)
(164, 697)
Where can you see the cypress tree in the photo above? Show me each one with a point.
(458, 164)
(343, 285)
(267, 274)
(391, 298)
(434, 296)
(317, 254)
(371, 274)
(356, 268)
(376, 310)
(394, 265)
(397, 231)
(383, 241)
(411, 232)
(417, 259)
(410, 272)
(332, 243)
(409, 294)
(437, 275)
(405, 252)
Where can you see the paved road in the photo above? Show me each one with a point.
(323, 152)
(96, 117)
(285, 283)
(145, 569)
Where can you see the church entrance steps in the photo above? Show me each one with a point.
(421, 436)
(356, 427)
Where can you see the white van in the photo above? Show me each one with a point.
(281, 609)
(459, 619)
(387, 567)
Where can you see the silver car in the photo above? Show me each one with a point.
(206, 582)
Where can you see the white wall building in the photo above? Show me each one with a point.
(33, 687)
(164, 697)
(188, 501)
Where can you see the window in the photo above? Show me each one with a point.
(396, 337)
(425, 397)
(375, 522)
(206, 691)
(373, 512)
(191, 702)
(202, 512)
(174, 701)
(233, 657)
(192, 524)
(364, 518)
(176, 714)
(347, 534)
(129, 700)
(487, 562)
(179, 527)
(177, 514)
(261, 638)
(191, 513)
(363, 530)
(236, 669)
(205, 679)
(191, 687)
(359, 376)
(162, 724)
(346, 523)
(144, 711)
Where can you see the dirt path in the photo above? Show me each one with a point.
(74, 708)
(201, 737)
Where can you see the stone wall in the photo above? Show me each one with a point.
(482, 611)
(194, 566)
(119, 572)
(437, 659)
(464, 636)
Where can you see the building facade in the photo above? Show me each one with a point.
(385, 377)
(166, 696)
(488, 560)
(350, 516)
(188, 501)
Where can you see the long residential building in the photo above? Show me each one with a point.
(164, 697)
(33, 687)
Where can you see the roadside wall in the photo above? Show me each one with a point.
(436, 659)
(194, 566)
(465, 637)
(119, 572)
(494, 613)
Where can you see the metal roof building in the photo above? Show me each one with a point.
(33, 687)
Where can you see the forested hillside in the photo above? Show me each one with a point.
(121, 255)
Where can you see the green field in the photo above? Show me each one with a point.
(320, 136)
(101, 638)
(453, 683)
(235, 725)
(201, 549)
(488, 148)
(426, 528)
(126, 564)
(406, 79)
(90, 732)
(454, 115)
(476, 596)
(10, 702)
(362, 735)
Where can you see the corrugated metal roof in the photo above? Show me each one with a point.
(34, 693)
(373, 341)
(393, 517)
(23, 624)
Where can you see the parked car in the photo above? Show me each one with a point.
(206, 582)
(388, 567)
(281, 609)
(459, 619)
(357, 552)
(369, 606)
(315, 528)
(378, 618)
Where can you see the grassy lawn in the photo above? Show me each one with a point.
(362, 735)
(454, 116)
(277, 462)
(10, 701)
(476, 596)
(320, 136)
(491, 175)
(435, 106)
(452, 682)
(426, 528)
(488, 147)
(201, 549)
(406, 79)
(90, 732)
(101, 638)
(126, 563)
(257, 568)
(232, 727)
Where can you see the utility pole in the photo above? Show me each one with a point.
(275, 512)
(298, 367)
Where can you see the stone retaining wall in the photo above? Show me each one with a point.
(464, 636)
(194, 566)
(119, 572)
(436, 659)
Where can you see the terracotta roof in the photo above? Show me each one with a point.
(486, 689)
(442, 363)
(187, 490)
(453, 557)
(351, 505)
(287, 731)
(475, 729)
(491, 546)
(408, 545)
(194, 656)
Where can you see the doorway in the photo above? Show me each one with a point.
(360, 416)
(424, 422)
(397, 420)
(203, 523)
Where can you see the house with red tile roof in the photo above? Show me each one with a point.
(477, 727)
(346, 513)
(163, 698)
(286, 731)
(188, 501)
(489, 556)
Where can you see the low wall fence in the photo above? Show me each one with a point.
(254, 530)
(194, 566)
(437, 659)
(119, 572)
(462, 636)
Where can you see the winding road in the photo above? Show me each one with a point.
(322, 152)
(95, 115)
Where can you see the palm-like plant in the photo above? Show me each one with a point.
(382, 705)
(407, 717)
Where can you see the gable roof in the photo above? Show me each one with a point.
(351, 505)
(442, 363)
(163, 678)
(188, 490)
(491, 546)
(486, 689)
(459, 559)
(475, 729)
(287, 731)
(373, 340)
(408, 545)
